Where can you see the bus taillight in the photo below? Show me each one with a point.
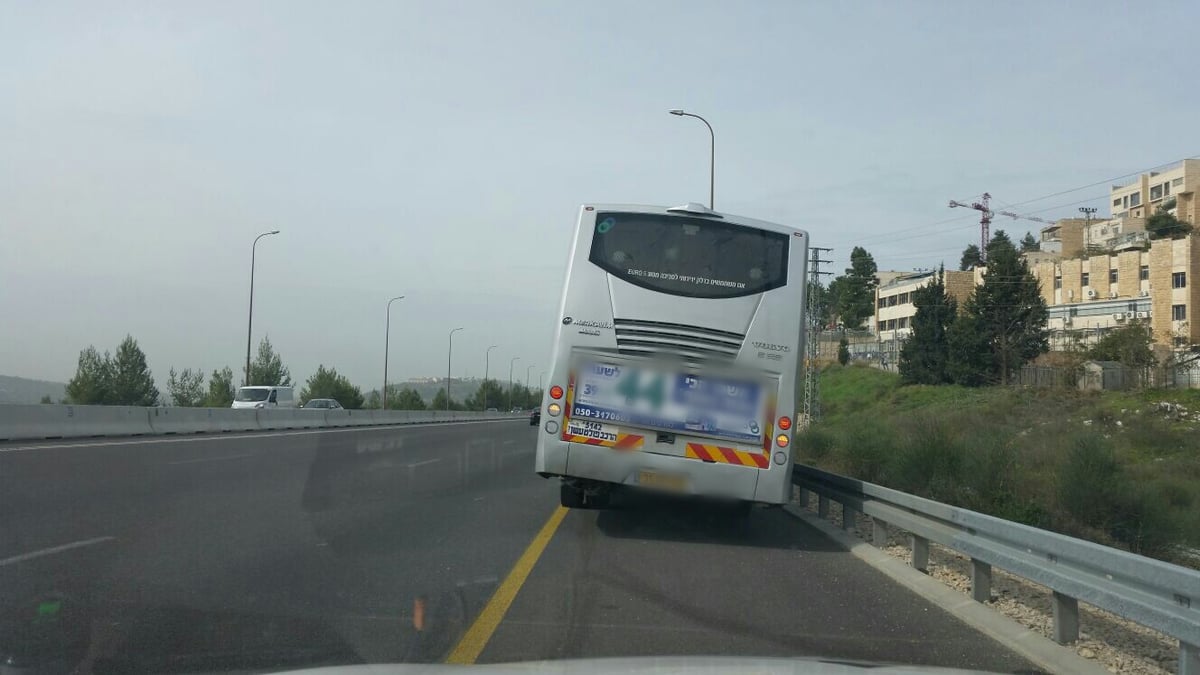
(556, 392)
(781, 440)
(785, 423)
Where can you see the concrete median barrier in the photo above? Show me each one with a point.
(21, 422)
(109, 420)
(33, 422)
(180, 420)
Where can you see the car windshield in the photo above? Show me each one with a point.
(251, 394)
(685, 332)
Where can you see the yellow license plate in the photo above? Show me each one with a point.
(662, 481)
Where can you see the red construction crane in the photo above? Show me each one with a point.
(985, 220)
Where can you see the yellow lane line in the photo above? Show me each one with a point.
(476, 638)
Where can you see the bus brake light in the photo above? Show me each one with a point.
(785, 422)
(556, 392)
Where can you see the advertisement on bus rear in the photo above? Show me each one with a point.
(724, 407)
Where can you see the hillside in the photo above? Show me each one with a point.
(22, 390)
(1120, 468)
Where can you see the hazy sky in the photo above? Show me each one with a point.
(440, 150)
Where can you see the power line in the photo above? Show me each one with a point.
(888, 238)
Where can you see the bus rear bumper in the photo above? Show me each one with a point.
(634, 468)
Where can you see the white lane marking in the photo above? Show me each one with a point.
(54, 549)
(211, 459)
(231, 437)
(428, 461)
(508, 442)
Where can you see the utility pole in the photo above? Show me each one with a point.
(1087, 212)
(812, 406)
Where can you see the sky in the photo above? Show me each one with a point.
(441, 150)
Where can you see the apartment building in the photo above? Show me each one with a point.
(1087, 296)
(894, 308)
(1173, 189)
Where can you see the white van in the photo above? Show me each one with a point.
(264, 397)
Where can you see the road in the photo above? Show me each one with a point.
(295, 549)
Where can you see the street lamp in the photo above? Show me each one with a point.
(250, 321)
(541, 387)
(449, 352)
(387, 332)
(712, 152)
(531, 367)
(486, 359)
(510, 368)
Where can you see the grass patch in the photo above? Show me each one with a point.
(1118, 468)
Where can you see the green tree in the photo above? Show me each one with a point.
(439, 402)
(186, 388)
(971, 258)
(372, 400)
(843, 351)
(1029, 243)
(220, 389)
(1009, 316)
(970, 361)
(92, 382)
(856, 293)
(267, 368)
(328, 383)
(46, 400)
(1128, 345)
(830, 311)
(132, 381)
(926, 353)
(408, 399)
(488, 395)
(1164, 225)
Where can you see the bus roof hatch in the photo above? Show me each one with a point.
(696, 210)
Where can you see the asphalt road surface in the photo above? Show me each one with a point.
(413, 544)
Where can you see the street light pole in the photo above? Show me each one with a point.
(541, 387)
(387, 342)
(449, 352)
(250, 320)
(531, 367)
(510, 369)
(486, 359)
(712, 153)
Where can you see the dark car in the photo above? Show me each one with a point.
(535, 417)
(322, 404)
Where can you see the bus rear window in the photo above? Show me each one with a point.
(690, 257)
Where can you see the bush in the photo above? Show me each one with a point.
(866, 452)
(927, 461)
(815, 444)
(1088, 481)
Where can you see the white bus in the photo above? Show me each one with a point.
(677, 356)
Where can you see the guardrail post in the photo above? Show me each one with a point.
(802, 497)
(848, 518)
(822, 506)
(1066, 619)
(879, 533)
(1189, 659)
(981, 581)
(920, 552)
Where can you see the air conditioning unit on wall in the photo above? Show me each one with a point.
(1143, 315)
(1112, 294)
(1118, 316)
(1144, 294)
(1091, 294)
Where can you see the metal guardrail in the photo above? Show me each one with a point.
(1149, 592)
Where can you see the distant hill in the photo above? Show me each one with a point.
(22, 390)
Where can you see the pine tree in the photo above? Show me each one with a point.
(132, 382)
(924, 356)
(1008, 319)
